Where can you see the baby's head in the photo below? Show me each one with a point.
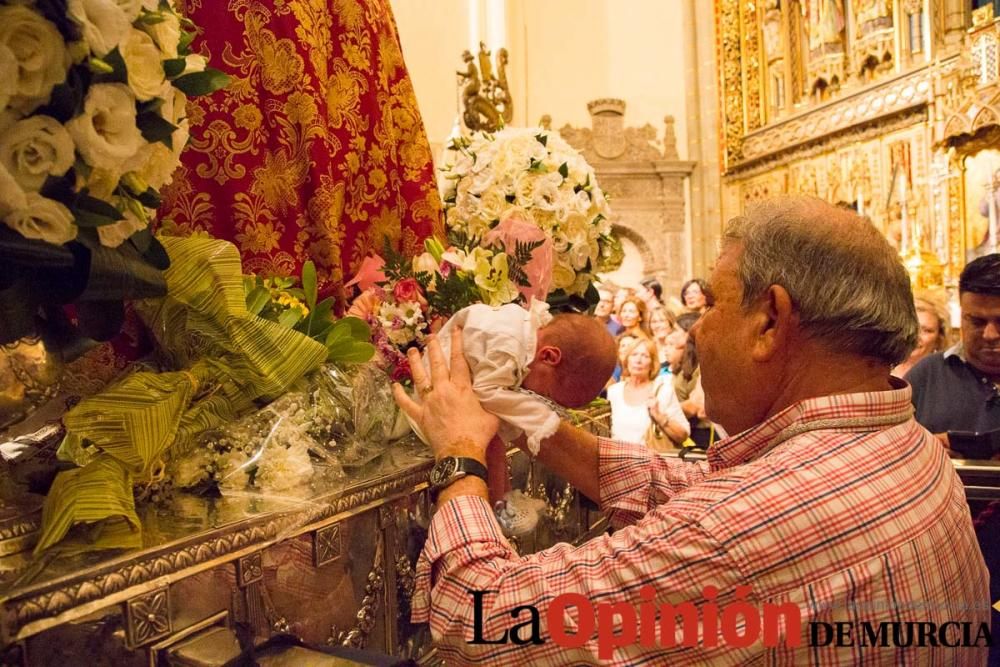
(574, 357)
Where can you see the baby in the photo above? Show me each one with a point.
(526, 365)
(523, 361)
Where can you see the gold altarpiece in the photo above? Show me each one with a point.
(888, 106)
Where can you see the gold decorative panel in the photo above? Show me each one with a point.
(147, 617)
(249, 569)
(326, 545)
(886, 107)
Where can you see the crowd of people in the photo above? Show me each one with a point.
(831, 499)
(655, 391)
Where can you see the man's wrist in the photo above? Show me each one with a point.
(462, 448)
(470, 485)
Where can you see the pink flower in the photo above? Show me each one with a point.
(369, 273)
(514, 228)
(408, 289)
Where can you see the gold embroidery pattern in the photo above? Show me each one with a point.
(316, 150)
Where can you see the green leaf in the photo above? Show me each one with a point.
(257, 299)
(99, 206)
(150, 198)
(351, 353)
(184, 44)
(337, 334)
(88, 219)
(118, 73)
(359, 328)
(154, 128)
(309, 283)
(564, 170)
(290, 318)
(202, 83)
(543, 139)
(174, 67)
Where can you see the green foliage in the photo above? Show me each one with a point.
(279, 300)
(397, 266)
(517, 261)
(202, 83)
(453, 294)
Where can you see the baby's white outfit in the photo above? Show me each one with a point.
(499, 344)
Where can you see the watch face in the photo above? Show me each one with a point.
(443, 470)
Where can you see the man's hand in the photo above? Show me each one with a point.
(449, 414)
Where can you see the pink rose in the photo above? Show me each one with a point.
(408, 289)
(513, 228)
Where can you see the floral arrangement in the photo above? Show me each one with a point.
(92, 124)
(531, 177)
(525, 219)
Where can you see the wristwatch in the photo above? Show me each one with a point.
(451, 469)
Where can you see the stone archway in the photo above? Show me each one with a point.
(645, 180)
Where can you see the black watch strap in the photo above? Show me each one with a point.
(460, 466)
(472, 467)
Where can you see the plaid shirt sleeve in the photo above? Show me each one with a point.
(466, 551)
(633, 480)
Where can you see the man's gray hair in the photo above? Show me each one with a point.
(847, 283)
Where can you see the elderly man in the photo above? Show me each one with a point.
(831, 529)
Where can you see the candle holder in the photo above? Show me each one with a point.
(924, 268)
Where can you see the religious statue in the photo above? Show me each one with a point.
(826, 23)
(486, 98)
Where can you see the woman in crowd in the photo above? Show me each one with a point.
(932, 315)
(625, 344)
(642, 399)
(632, 316)
(661, 325)
(651, 292)
(687, 380)
(696, 296)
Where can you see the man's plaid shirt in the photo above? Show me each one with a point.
(842, 505)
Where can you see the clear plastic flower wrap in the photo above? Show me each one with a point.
(354, 413)
(271, 450)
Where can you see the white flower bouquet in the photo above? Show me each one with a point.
(504, 187)
(92, 124)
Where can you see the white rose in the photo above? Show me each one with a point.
(42, 219)
(155, 163)
(35, 148)
(579, 255)
(492, 204)
(40, 56)
(8, 72)
(563, 275)
(115, 234)
(144, 65)
(12, 197)
(105, 133)
(130, 8)
(166, 33)
(103, 23)
(194, 62)
(100, 183)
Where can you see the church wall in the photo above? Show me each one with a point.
(655, 55)
(563, 54)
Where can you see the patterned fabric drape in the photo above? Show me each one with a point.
(316, 150)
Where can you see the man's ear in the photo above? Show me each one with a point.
(549, 354)
(773, 316)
